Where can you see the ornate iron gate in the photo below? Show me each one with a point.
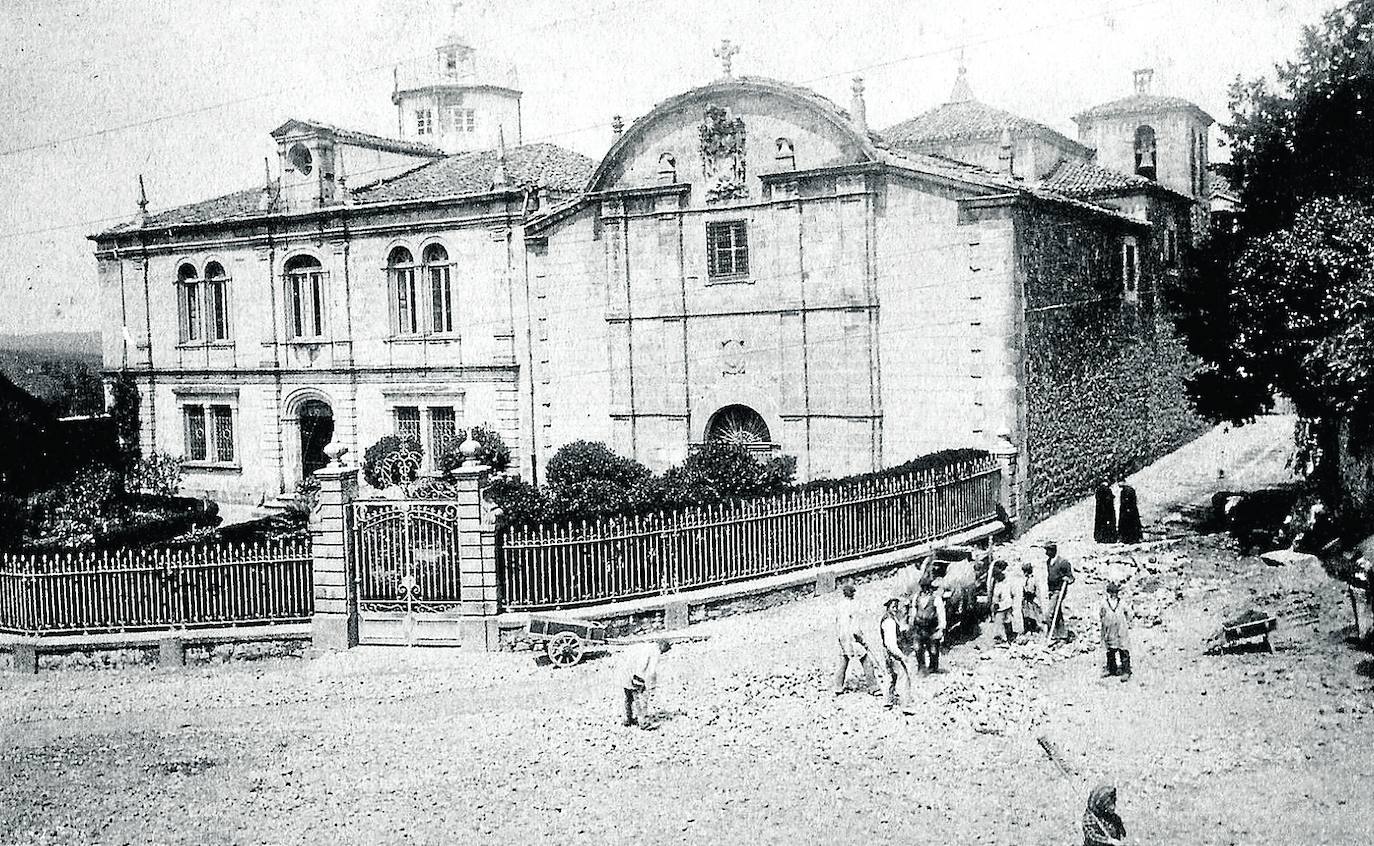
(407, 566)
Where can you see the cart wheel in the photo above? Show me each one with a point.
(564, 649)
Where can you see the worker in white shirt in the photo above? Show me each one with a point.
(849, 635)
(899, 684)
(638, 674)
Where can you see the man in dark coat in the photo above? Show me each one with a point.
(1104, 515)
(1060, 576)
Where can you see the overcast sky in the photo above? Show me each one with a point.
(186, 91)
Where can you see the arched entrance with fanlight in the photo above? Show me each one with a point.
(307, 428)
(739, 424)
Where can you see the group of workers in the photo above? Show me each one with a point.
(916, 626)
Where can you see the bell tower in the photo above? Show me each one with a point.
(462, 101)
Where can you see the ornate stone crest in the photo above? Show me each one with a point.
(732, 357)
(722, 155)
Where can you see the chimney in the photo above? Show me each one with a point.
(265, 201)
(858, 111)
(1143, 78)
(500, 179)
(962, 91)
(1006, 157)
(142, 202)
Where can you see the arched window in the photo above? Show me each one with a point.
(785, 155)
(738, 424)
(188, 305)
(400, 274)
(216, 302)
(1145, 151)
(303, 281)
(667, 169)
(440, 289)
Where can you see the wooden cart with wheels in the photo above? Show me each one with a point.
(566, 640)
(1252, 627)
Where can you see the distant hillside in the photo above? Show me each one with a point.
(80, 344)
(66, 381)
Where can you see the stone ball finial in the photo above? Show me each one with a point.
(469, 449)
(335, 452)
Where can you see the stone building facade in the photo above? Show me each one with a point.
(749, 262)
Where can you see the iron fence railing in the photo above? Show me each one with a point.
(622, 558)
(143, 589)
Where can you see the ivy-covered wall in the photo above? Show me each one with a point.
(1103, 376)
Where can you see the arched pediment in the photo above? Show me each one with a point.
(729, 130)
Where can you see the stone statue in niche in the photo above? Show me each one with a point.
(732, 357)
(722, 155)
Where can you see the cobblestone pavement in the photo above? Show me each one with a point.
(419, 746)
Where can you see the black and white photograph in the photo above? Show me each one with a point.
(686, 421)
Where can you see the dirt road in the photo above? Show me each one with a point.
(397, 746)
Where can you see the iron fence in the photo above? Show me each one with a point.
(142, 589)
(622, 558)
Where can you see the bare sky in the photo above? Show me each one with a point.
(186, 91)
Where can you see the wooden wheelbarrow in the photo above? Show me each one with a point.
(1252, 627)
(566, 640)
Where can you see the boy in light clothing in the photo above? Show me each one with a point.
(638, 674)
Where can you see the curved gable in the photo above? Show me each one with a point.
(705, 145)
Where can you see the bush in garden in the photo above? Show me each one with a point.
(493, 452)
(124, 403)
(521, 503)
(85, 506)
(582, 461)
(159, 473)
(392, 460)
(721, 471)
(13, 520)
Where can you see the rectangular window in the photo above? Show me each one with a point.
(1130, 269)
(461, 119)
(440, 300)
(188, 304)
(217, 308)
(195, 432)
(222, 433)
(408, 421)
(727, 248)
(1170, 247)
(305, 305)
(424, 122)
(443, 429)
(405, 309)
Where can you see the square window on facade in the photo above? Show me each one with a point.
(1130, 269)
(727, 248)
(424, 122)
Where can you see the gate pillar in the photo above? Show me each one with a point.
(334, 624)
(477, 554)
(1011, 492)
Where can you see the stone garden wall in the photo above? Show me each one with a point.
(1104, 376)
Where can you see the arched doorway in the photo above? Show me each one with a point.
(317, 430)
(738, 424)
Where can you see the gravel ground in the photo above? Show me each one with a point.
(430, 746)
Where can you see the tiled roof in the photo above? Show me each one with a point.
(948, 168)
(240, 204)
(532, 165)
(1141, 103)
(1086, 181)
(1220, 186)
(967, 120)
(365, 139)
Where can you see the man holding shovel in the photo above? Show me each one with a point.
(1060, 576)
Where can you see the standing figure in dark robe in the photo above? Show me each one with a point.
(1104, 519)
(1128, 522)
(1102, 826)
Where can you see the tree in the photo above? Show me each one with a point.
(1268, 308)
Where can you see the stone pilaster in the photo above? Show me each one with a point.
(334, 624)
(1010, 494)
(477, 558)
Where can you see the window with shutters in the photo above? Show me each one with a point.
(189, 321)
(405, 311)
(440, 289)
(216, 302)
(727, 249)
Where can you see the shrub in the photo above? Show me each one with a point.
(493, 453)
(124, 403)
(521, 503)
(85, 507)
(13, 520)
(159, 473)
(392, 460)
(582, 461)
